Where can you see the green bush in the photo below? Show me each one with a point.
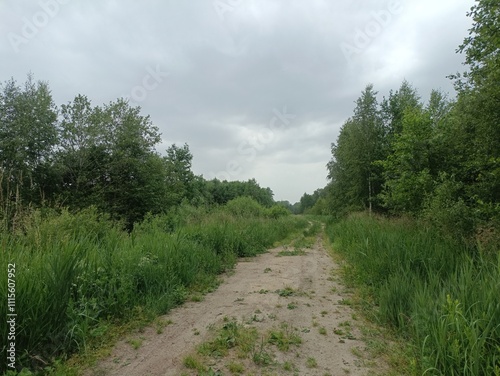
(277, 211)
(245, 206)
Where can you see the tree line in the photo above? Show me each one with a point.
(80, 155)
(439, 159)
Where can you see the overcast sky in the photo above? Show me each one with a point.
(257, 88)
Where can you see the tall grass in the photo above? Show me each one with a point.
(435, 291)
(78, 273)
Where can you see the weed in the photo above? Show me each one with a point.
(311, 363)
(345, 333)
(161, 324)
(260, 355)
(193, 362)
(235, 368)
(255, 318)
(295, 252)
(322, 331)
(288, 366)
(284, 337)
(196, 298)
(136, 343)
(357, 352)
(312, 230)
(230, 335)
(344, 301)
(286, 292)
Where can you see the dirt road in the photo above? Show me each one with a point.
(289, 290)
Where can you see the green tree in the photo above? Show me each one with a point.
(356, 179)
(134, 180)
(82, 158)
(482, 46)
(179, 178)
(307, 201)
(263, 196)
(220, 192)
(394, 107)
(408, 178)
(419, 155)
(478, 110)
(28, 136)
(107, 158)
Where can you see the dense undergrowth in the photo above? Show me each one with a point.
(436, 292)
(79, 274)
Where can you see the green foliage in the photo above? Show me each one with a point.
(429, 289)
(25, 154)
(221, 192)
(107, 159)
(405, 99)
(79, 273)
(245, 206)
(407, 169)
(178, 175)
(277, 211)
(482, 46)
(284, 337)
(355, 178)
(103, 156)
(231, 335)
(440, 161)
(313, 204)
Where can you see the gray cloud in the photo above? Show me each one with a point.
(232, 63)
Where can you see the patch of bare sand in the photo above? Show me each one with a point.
(251, 293)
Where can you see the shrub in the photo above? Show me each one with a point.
(245, 207)
(277, 211)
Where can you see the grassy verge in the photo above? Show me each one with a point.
(81, 280)
(436, 294)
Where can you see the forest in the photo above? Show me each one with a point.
(104, 230)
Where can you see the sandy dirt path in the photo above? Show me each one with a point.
(251, 295)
